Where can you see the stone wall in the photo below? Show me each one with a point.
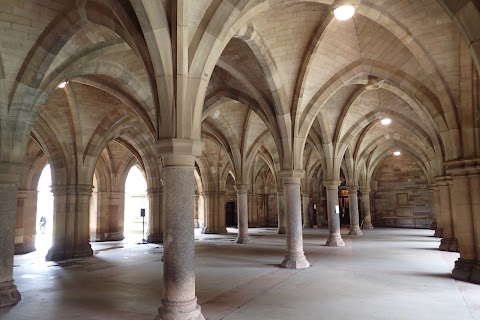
(401, 191)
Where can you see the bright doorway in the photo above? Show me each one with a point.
(44, 234)
(136, 198)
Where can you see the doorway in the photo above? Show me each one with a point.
(44, 214)
(230, 215)
(344, 205)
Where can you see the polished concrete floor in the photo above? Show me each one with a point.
(385, 274)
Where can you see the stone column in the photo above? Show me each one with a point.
(242, 207)
(436, 222)
(294, 257)
(463, 226)
(71, 231)
(201, 211)
(196, 204)
(281, 212)
(334, 236)
(367, 218)
(354, 216)
(26, 221)
(117, 216)
(155, 225)
(179, 301)
(253, 210)
(474, 194)
(82, 247)
(448, 243)
(305, 213)
(9, 294)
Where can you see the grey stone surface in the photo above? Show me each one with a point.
(354, 215)
(294, 257)
(179, 300)
(334, 236)
(281, 213)
(8, 208)
(242, 204)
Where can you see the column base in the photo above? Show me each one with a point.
(438, 232)
(22, 248)
(59, 254)
(367, 225)
(281, 230)
(445, 244)
(9, 294)
(475, 277)
(295, 260)
(214, 230)
(454, 245)
(335, 242)
(182, 310)
(433, 226)
(306, 225)
(463, 269)
(355, 231)
(243, 239)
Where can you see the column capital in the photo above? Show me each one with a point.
(291, 176)
(11, 172)
(241, 188)
(352, 189)
(331, 184)
(154, 191)
(463, 167)
(365, 191)
(179, 152)
(442, 181)
(306, 194)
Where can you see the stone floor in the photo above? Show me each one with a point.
(385, 274)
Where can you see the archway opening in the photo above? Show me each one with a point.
(44, 214)
(136, 205)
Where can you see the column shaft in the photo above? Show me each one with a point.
(179, 300)
(294, 257)
(474, 189)
(367, 217)
(437, 224)
(463, 226)
(354, 215)
(9, 294)
(26, 227)
(444, 216)
(334, 236)
(305, 207)
(242, 205)
(281, 212)
(155, 226)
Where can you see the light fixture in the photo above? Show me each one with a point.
(216, 114)
(62, 85)
(386, 121)
(397, 153)
(344, 12)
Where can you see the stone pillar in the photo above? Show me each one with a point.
(305, 213)
(448, 243)
(201, 212)
(367, 218)
(71, 222)
(82, 247)
(463, 226)
(281, 212)
(354, 215)
(242, 207)
(195, 216)
(334, 236)
(9, 294)
(294, 257)
(214, 204)
(253, 221)
(26, 221)
(116, 219)
(179, 301)
(475, 200)
(436, 222)
(155, 225)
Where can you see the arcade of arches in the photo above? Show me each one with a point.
(269, 110)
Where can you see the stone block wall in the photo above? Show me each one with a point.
(401, 191)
